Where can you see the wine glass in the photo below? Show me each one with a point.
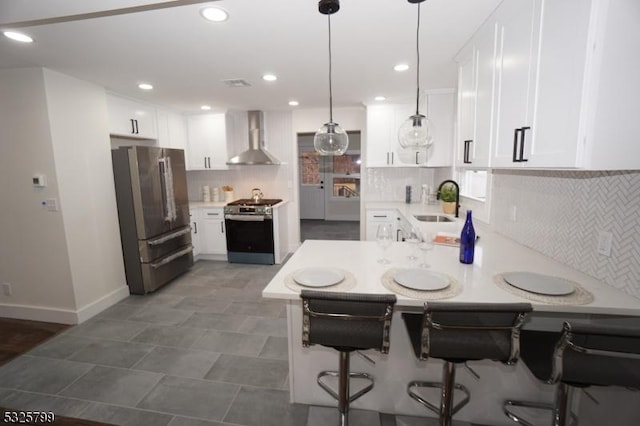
(384, 238)
(425, 245)
(413, 238)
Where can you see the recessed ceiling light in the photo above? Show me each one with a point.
(214, 14)
(145, 86)
(401, 67)
(293, 103)
(380, 98)
(205, 107)
(18, 36)
(269, 77)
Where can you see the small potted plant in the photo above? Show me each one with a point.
(448, 197)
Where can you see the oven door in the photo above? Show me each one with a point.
(249, 239)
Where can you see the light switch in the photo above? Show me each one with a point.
(39, 181)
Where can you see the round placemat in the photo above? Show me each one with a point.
(453, 290)
(347, 283)
(580, 296)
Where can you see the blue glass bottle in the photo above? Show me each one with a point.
(467, 240)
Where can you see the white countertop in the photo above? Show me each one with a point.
(494, 254)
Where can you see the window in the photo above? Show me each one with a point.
(473, 184)
(346, 176)
(310, 168)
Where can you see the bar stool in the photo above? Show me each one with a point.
(461, 332)
(581, 355)
(346, 322)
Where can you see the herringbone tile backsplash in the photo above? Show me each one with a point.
(560, 213)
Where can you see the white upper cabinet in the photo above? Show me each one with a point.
(476, 88)
(172, 130)
(131, 119)
(207, 142)
(383, 122)
(560, 91)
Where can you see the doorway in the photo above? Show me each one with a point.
(312, 179)
(329, 190)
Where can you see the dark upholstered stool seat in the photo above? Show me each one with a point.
(579, 356)
(346, 322)
(461, 332)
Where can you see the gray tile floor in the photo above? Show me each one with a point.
(204, 350)
(311, 229)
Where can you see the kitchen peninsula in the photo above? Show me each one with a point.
(494, 255)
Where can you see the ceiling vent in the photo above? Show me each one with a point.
(236, 82)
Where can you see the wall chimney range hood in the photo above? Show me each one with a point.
(256, 154)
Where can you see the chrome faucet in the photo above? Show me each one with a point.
(457, 192)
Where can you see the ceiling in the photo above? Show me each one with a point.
(186, 58)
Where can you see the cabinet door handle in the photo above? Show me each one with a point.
(523, 132)
(221, 228)
(195, 227)
(137, 128)
(133, 126)
(387, 158)
(209, 160)
(467, 146)
(515, 145)
(417, 152)
(392, 159)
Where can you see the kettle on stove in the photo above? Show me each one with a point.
(256, 195)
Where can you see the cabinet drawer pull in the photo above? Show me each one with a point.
(213, 214)
(467, 146)
(515, 145)
(523, 132)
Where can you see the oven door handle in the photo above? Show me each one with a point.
(245, 217)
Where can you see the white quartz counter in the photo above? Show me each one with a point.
(494, 254)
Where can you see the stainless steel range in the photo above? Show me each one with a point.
(249, 226)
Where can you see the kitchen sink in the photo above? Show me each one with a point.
(432, 218)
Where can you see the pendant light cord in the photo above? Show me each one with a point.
(418, 65)
(330, 88)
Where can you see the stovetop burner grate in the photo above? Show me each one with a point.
(251, 202)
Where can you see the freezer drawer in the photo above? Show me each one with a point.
(164, 244)
(159, 272)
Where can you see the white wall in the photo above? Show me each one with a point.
(33, 248)
(82, 152)
(63, 266)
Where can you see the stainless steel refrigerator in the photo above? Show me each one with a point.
(153, 209)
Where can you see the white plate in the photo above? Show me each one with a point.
(420, 279)
(318, 277)
(539, 283)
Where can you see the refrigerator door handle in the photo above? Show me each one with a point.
(168, 198)
(166, 238)
(173, 257)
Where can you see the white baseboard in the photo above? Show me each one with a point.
(94, 308)
(63, 316)
(39, 313)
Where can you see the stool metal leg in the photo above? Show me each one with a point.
(446, 409)
(343, 389)
(562, 410)
(344, 376)
(446, 400)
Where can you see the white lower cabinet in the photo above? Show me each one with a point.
(213, 237)
(375, 218)
(194, 215)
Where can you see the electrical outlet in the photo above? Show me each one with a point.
(513, 213)
(51, 204)
(6, 289)
(604, 243)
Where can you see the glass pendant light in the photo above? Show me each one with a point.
(330, 139)
(417, 130)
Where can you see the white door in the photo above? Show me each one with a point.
(312, 183)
